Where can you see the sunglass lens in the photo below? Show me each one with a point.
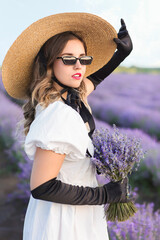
(86, 60)
(69, 60)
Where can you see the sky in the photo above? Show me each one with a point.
(142, 18)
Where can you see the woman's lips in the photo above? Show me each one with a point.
(77, 76)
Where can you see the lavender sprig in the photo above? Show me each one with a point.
(116, 154)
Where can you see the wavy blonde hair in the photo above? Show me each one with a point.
(41, 89)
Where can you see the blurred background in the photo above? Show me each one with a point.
(129, 98)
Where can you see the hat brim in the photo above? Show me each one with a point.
(17, 65)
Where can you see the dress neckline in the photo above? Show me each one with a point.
(85, 115)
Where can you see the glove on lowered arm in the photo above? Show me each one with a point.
(56, 191)
(124, 46)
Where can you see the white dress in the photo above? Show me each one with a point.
(61, 129)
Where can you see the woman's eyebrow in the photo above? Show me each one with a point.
(71, 54)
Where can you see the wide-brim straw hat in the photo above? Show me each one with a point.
(18, 62)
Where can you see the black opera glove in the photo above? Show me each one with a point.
(124, 42)
(56, 191)
(124, 48)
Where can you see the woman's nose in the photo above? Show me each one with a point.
(77, 64)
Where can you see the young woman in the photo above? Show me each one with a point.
(56, 71)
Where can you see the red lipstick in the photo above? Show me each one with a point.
(77, 76)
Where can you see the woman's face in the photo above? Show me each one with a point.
(68, 74)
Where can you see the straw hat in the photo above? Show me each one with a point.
(17, 65)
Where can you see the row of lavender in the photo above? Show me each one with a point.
(11, 113)
(149, 172)
(12, 142)
(144, 225)
(129, 100)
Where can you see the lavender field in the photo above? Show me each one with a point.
(129, 100)
(132, 102)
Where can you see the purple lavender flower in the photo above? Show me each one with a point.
(12, 143)
(143, 225)
(115, 153)
(109, 100)
(115, 156)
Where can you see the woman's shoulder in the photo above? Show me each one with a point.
(89, 86)
(56, 107)
(57, 113)
(57, 127)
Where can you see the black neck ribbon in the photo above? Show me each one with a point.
(73, 100)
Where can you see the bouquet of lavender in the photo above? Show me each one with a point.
(115, 156)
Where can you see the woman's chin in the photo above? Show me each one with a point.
(76, 84)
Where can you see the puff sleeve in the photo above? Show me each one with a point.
(59, 128)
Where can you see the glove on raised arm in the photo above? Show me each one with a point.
(56, 191)
(124, 46)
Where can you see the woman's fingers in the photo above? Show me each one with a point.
(123, 25)
(122, 34)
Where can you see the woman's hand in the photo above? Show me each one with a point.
(124, 46)
(124, 42)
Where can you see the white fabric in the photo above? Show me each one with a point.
(61, 129)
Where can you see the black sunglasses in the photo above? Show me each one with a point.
(71, 60)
